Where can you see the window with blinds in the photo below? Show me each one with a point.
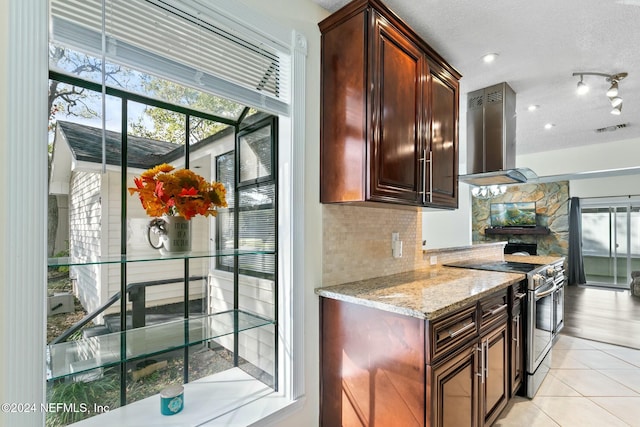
(225, 228)
(253, 204)
(155, 37)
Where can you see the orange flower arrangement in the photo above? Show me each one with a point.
(166, 191)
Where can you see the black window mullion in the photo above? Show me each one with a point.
(185, 358)
(123, 251)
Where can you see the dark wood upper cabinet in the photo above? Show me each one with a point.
(444, 137)
(389, 112)
(397, 110)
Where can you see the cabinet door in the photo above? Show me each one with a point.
(396, 111)
(494, 384)
(454, 390)
(517, 350)
(441, 181)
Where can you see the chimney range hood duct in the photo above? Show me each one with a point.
(491, 138)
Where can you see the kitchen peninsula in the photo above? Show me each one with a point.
(429, 347)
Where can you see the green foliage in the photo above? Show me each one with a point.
(63, 253)
(169, 125)
(102, 392)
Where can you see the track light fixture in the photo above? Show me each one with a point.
(617, 110)
(612, 92)
(615, 101)
(582, 87)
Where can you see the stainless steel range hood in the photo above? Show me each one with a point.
(491, 138)
(503, 177)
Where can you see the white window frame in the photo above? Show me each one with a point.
(23, 252)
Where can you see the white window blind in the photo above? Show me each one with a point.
(257, 229)
(225, 173)
(157, 38)
(256, 226)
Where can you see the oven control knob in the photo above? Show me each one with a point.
(538, 280)
(551, 272)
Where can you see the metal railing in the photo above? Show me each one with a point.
(137, 296)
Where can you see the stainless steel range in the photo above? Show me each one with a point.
(545, 301)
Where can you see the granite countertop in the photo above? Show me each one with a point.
(533, 259)
(425, 294)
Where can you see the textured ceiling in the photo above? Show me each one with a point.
(540, 44)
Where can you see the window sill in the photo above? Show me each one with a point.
(230, 398)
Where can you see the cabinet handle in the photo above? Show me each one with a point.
(430, 161)
(520, 296)
(427, 160)
(517, 338)
(494, 311)
(461, 330)
(480, 348)
(486, 362)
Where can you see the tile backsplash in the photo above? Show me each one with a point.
(357, 244)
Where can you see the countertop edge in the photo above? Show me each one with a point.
(471, 299)
(337, 292)
(373, 304)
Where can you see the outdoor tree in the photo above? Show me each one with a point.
(170, 125)
(73, 101)
(65, 100)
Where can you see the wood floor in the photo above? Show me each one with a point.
(600, 314)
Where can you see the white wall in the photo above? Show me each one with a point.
(446, 228)
(618, 154)
(23, 231)
(304, 17)
(597, 157)
(452, 228)
(4, 159)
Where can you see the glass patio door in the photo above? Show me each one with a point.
(610, 242)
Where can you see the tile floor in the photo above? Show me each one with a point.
(590, 384)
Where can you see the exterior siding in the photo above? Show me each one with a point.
(255, 296)
(85, 213)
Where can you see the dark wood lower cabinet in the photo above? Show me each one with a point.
(384, 369)
(494, 384)
(453, 391)
(373, 369)
(471, 387)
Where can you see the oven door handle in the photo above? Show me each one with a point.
(545, 293)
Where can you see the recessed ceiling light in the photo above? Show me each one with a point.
(490, 57)
(549, 126)
(533, 107)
